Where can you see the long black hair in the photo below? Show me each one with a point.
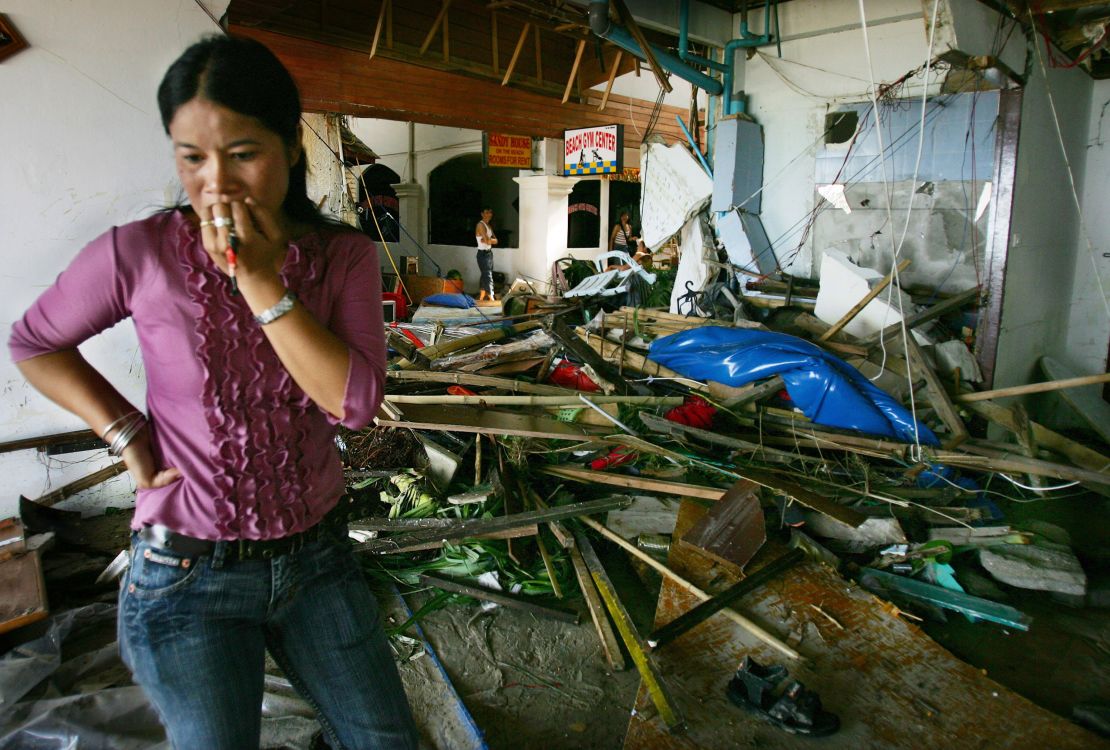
(246, 77)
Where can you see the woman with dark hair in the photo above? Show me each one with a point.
(258, 322)
(621, 238)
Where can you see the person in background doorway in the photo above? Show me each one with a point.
(622, 238)
(487, 240)
(259, 322)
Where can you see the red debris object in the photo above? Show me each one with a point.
(696, 412)
(408, 334)
(458, 390)
(616, 457)
(569, 375)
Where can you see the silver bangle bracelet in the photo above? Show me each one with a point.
(117, 423)
(126, 434)
(283, 305)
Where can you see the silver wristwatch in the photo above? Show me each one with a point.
(282, 306)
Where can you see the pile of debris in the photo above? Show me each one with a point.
(535, 425)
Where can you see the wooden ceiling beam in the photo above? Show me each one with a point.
(336, 79)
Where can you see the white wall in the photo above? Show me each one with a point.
(1044, 233)
(84, 149)
(823, 64)
(1088, 324)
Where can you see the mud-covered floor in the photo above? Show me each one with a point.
(508, 679)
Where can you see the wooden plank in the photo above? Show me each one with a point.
(1024, 390)
(674, 577)
(507, 534)
(932, 313)
(1077, 453)
(84, 483)
(336, 79)
(539, 58)
(634, 28)
(516, 54)
(733, 530)
(609, 645)
(650, 674)
(610, 350)
(533, 400)
(640, 483)
(574, 69)
(45, 441)
(378, 28)
(469, 528)
(804, 495)
(503, 598)
(849, 316)
(440, 19)
(938, 397)
(456, 378)
(891, 684)
(612, 77)
(487, 421)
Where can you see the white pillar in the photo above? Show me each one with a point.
(543, 226)
(410, 212)
(603, 215)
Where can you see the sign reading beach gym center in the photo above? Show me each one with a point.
(593, 150)
(501, 150)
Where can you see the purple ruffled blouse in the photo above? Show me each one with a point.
(257, 456)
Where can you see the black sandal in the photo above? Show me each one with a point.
(796, 709)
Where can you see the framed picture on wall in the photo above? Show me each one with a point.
(11, 41)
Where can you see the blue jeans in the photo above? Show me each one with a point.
(485, 267)
(194, 632)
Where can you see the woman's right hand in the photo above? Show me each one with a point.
(140, 462)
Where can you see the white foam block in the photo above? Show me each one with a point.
(844, 284)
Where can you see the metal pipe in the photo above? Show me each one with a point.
(606, 29)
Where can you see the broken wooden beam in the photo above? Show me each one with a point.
(532, 400)
(849, 316)
(938, 397)
(641, 483)
(1023, 390)
(485, 421)
(669, 573)
(504, 598)
(609, 645)
(468, 528)
(649, 672)
(84, 483)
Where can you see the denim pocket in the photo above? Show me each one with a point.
(157, 572)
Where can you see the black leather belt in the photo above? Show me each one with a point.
(242, 549)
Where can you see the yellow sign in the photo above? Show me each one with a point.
(501, 150)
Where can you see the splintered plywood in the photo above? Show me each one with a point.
(891, 685)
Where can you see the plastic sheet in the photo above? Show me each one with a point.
(88, 703)
(827, 389)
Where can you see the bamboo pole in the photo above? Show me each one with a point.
(103, 475)
(1021, 390)
(516, 53)
(851, 314)
(529, 400)
(495, 334)
(460, 378)
(574, 69)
